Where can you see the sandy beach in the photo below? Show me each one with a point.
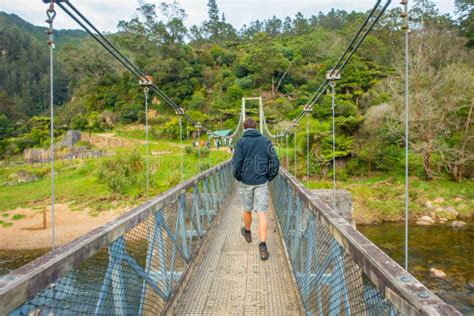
(28, 233)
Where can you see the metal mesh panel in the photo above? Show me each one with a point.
(138, 273)
(330, 282)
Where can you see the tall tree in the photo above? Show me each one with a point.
(441, 94)
(465, 10)
(213, 24)
(273, 26)
(300, 24)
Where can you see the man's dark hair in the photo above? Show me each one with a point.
(250, 123)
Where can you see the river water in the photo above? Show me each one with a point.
(13, 259)
(437, 246)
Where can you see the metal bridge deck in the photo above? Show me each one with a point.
(229, 277)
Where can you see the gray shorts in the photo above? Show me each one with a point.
(254, 197)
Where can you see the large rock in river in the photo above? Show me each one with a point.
(436, 273)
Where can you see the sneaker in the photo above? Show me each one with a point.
(263, 251)
(247, 235)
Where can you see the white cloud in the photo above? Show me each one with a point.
(105, 14)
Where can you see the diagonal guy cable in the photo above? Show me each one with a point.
(79, 18)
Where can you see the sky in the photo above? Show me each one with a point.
(105, 14)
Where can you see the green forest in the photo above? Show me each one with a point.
(109, 169)
(208, 68)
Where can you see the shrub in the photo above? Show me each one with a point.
(341, 174)
(130, 113)
(188, 150)
(245, 82)
(203, 166)
(121, 172)
(354, 167)
(6, 224)
(171, 128)
(17, 217)
(79, 122)
(235, 92)
(202, 152)
(174, 178)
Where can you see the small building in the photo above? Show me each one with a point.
(222, 135)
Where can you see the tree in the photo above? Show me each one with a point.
(423, 12)
(213, 24)
(441, 94)
(287, 25)
(457, 150)
(265, 61)
(273, 26)
(6, 127)
(465, 10)
(370, 138)
(175, 24)
(162, 33)
(300, 24)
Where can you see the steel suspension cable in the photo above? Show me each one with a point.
(104, 38)
(145, 91)
(199, 145)
(333, 104)
(51, 14)
(357, 34)
(344, 59)
(115, 52)
(280, 147)
(209, 145)
(407, 201)
(359, 43)
(181, 165)
(294, 153)
(319, 93)
(307, 148)
(374, 22)
(124, 62)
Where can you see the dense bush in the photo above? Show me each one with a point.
(130, 113)
(202, 152)
(121, 172)
(188, 150)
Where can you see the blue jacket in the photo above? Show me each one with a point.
(255, 160)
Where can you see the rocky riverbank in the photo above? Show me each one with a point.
(437, 213)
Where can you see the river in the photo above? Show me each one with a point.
(436, 246)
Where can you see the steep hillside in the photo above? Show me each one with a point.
(209, 68)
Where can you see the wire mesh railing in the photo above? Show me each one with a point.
(130, 266)
(337, 270)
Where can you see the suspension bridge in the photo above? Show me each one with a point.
(181, 252)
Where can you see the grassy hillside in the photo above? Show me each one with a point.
(79, 182)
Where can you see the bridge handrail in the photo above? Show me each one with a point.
(410, 298)
(23, 283)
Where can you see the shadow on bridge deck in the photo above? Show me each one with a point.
(229, 277)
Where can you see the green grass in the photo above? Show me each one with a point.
(6, 224)
(76, 181)
(381, 198)
(134, 134)
(17, 217)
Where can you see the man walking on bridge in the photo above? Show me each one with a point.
(255, 163)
